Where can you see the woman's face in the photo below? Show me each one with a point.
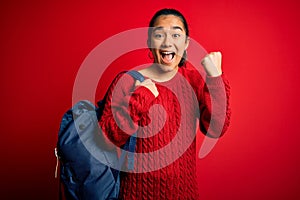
(168, 41)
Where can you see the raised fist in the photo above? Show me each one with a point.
(212, 64)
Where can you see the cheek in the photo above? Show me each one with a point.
(155, 53)
(181, 47)
(155, 44)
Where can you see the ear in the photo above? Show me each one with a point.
(187, 42)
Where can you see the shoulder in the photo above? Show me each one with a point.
(123, 81)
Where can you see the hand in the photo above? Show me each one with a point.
(148, 83)
(212, 64)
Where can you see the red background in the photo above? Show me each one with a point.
(43, 44)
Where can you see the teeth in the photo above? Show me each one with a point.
(167, 52)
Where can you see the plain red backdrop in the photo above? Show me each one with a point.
(43, 44)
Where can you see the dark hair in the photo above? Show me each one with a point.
(170, 11)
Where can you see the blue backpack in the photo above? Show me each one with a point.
(89, 170)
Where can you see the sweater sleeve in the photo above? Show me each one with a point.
(123, 108)
(214, 106)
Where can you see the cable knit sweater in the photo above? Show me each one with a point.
(165, 163)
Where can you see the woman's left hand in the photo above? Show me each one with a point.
(212, 64)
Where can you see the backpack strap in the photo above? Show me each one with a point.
(136, 75)
(131, 143)
(129, 146)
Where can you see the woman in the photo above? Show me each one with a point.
(165, 109)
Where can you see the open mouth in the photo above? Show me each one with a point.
(167, 56)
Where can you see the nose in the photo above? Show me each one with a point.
(167, 41)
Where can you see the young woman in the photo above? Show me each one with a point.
(165, 110)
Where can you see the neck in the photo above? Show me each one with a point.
(162, 73)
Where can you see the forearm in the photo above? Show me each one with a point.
(214, 109)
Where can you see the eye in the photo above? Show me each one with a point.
(158, 35)
(176, 35)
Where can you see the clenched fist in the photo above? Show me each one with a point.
(212, 64)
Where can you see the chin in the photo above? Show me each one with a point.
(168, 68)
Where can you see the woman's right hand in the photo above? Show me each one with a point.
(148, 83)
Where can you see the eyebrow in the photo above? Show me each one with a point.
(173, 27)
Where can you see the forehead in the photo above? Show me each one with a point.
(168, 21)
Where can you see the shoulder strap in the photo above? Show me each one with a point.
(130, 147)
(131, 142)
(136, 75)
